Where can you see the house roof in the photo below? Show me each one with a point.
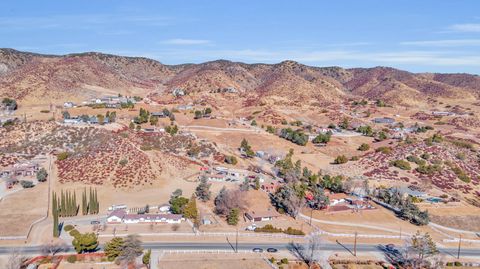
(122, 214)
(152, 216)
(263, 214)
(337, 196)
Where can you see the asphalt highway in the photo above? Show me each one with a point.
(246, 246)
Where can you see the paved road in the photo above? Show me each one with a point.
(249, 246)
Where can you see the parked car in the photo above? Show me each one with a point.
(251, 227)
(258, 250)
(272, 250)
(390, 247)
(94, 222)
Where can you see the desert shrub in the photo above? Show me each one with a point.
(270, 129)
(63, 155)
(44, 111)
(384, 150)
(123, 162)
(364, 147)
(293, 231)
(461, 143)
(428, 169)
(460, 156)
(26, 184)
(355, 158)
(284, 261)
(68, 228)
(415, 159)
(425, 156)
(268, 228)
(231, 160)
(72, 258)
(461, 174)
(402, 164)
(341, 159)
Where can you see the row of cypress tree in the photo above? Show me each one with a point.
(55, 213)
(90, 205)
(66, 206)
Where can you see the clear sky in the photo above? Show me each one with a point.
(415, 35)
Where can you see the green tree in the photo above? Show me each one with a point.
(87, 242)
(254, 123)
(257, 183)
(153, 120)
(232, 218)
(146, 258)
(42, 175)
(191, 211)
(322, 138)
(198, 114)
(113, 248)
(131, 126)
(55, 215)
(208, 111)
(246, 148)
(177, 204)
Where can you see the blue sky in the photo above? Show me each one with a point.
(419, 36)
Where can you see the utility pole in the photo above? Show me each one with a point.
(355, 245)
(236, 242)
(459, 245)
(311, 213)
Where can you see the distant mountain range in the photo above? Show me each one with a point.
(49, 78)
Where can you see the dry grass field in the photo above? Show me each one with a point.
(19, 210)
(212, 261)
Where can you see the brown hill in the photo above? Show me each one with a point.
(35, 78)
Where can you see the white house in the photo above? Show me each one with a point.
(121, 216)
(68, 105)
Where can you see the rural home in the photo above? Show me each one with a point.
(178, 92)
(267, 215)
(121, 216)
(410, 192)
(68, 105)
(384, 120)
(271, 187)
(336, 198)
(24, 169)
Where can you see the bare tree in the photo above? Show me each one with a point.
(226, 200)
(15, 260)
(53, 248)
(312, 249)
(131, 249)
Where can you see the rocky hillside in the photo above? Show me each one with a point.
(35, 78)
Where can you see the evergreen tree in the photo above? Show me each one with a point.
(90, 202)
(75, 206)
(84, 202)
(55, 215)
(62, 205)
